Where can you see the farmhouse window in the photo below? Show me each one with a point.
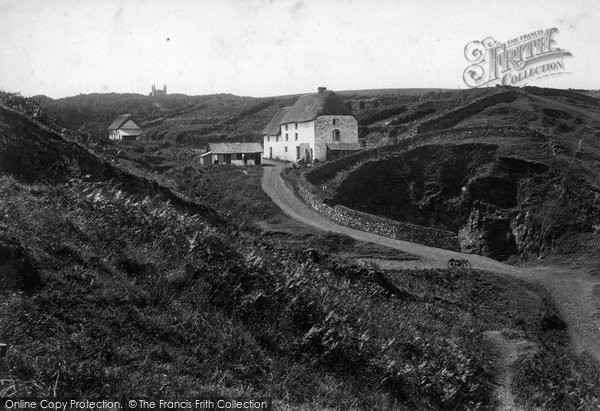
(286, 137)
(285, 149)
(286, 127)
(336, 121)
(296, 126)
(336, 135)
(277, 139)
(296, 136)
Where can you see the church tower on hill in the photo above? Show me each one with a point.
(158, 92)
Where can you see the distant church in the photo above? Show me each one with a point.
(158, 92)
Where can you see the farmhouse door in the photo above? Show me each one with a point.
(303, 151)
(270, 152)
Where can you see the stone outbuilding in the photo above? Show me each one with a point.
(240, 154)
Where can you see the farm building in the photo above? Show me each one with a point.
(363, 104)
(232, 153)
(317, 127)
(124, 128)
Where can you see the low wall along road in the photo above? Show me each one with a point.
(382, 226)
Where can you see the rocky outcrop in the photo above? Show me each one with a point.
(426, 186)
(509, 198)
(488, 234)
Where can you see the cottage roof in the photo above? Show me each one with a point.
(344, 146)
(310, 106)
(119, 121)
(232, 148)
(272, 129)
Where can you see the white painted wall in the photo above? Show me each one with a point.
(305, 135)
(315, 133)
(118, 134)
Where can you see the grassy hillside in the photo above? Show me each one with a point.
(197, 119)
(128, 294)
(176, 118)
(142, 300)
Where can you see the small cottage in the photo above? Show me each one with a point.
(241, 154)
(124, 128)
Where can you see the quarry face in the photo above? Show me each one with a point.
(500, 199)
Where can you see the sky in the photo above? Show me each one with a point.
(265, 48)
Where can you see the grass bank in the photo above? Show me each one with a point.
(142, 299)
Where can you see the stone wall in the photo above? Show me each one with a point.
(457, 115)
(382, 226)
(553, 92)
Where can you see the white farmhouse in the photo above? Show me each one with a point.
(124, 128)
(317, 127)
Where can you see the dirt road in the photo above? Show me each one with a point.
(572, 291)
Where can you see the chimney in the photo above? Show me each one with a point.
(322, 89)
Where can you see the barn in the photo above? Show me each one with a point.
(240, 154)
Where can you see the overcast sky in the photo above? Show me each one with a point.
(263, 48)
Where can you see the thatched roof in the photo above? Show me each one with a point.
(310, 106)
(233, 148)
(272, 129)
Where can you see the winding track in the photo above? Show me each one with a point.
(571, 290)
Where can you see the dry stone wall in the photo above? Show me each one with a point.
(455, 116)
(553, 92)
(382, 226)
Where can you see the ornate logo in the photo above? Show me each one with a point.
(516, 62)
